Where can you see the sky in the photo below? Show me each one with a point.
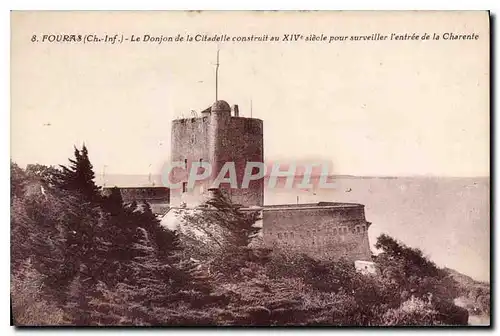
(392, 108)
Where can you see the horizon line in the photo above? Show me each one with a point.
(331, 175)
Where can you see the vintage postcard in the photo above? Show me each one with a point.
(260, 168)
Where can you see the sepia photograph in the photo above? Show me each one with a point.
(250, 168)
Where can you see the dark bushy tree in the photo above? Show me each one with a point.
(228, 231)
(87, 248)
(79, 176)
(413, 275)
(41, 224)
(47, 175)
(97, 261)
(225, 224)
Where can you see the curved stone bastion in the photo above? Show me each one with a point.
(324, 230)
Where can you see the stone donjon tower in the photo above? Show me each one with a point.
(324, 230)
(220, 135)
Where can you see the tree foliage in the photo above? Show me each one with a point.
(95, 260)
(414, 275)
(84, 247)
(79, 176)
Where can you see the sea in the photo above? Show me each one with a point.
(448, 218)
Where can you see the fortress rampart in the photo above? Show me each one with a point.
(323, 230)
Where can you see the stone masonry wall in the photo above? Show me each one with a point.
(243, 142)
(240, 141)
(324, 232)
(189, 144)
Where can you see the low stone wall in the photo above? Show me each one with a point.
(150, 194)
(322, 230)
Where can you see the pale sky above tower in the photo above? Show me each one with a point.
(374, 108)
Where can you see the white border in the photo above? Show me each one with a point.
(492, 5)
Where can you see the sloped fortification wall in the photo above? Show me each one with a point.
(321, 230)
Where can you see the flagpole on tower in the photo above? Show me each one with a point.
(251, 108)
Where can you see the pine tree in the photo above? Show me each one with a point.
(228, 230)
(238, 225)
(40, 227)
(79, 176)
(113, 203)
(102, 261)
(186, 274)
(167, 241)
(144, 295)
(224, 223)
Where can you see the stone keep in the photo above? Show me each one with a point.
(220, 135)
